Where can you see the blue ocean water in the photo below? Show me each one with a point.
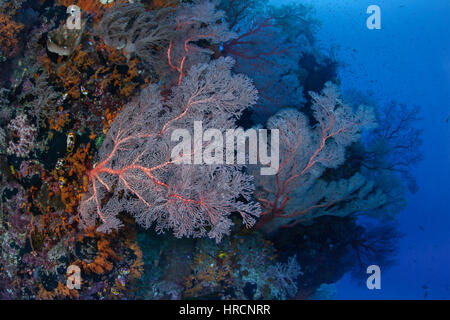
(408, 60)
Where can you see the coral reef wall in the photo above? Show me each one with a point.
(92, 177)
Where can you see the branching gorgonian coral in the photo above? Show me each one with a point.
(130, 27)
(136, 173)
(196, 22)
(296, 193)
(283, 277)
(268, 46)
(169, 40)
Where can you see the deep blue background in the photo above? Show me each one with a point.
(407, 60)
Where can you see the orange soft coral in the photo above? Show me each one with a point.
(103, 262)
(59, 123)
(70, 72)
(60, 292)
(71, 193)
(8, 36)
(137, 268)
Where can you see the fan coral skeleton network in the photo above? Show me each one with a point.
(137, 174)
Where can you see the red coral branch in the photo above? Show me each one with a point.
(182, 60)
(276, 208)
(254, 37)
(119, 141)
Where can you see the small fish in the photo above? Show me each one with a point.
(83, 91)
(121, 280)
(62, 98)
(99, 141)
(70, 142)
(124, 271)
(62, 182)
(60, 163)
(114, 291)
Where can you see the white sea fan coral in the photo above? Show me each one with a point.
(296, 193)
(137, 175)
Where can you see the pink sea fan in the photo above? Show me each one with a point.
(137, 175)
